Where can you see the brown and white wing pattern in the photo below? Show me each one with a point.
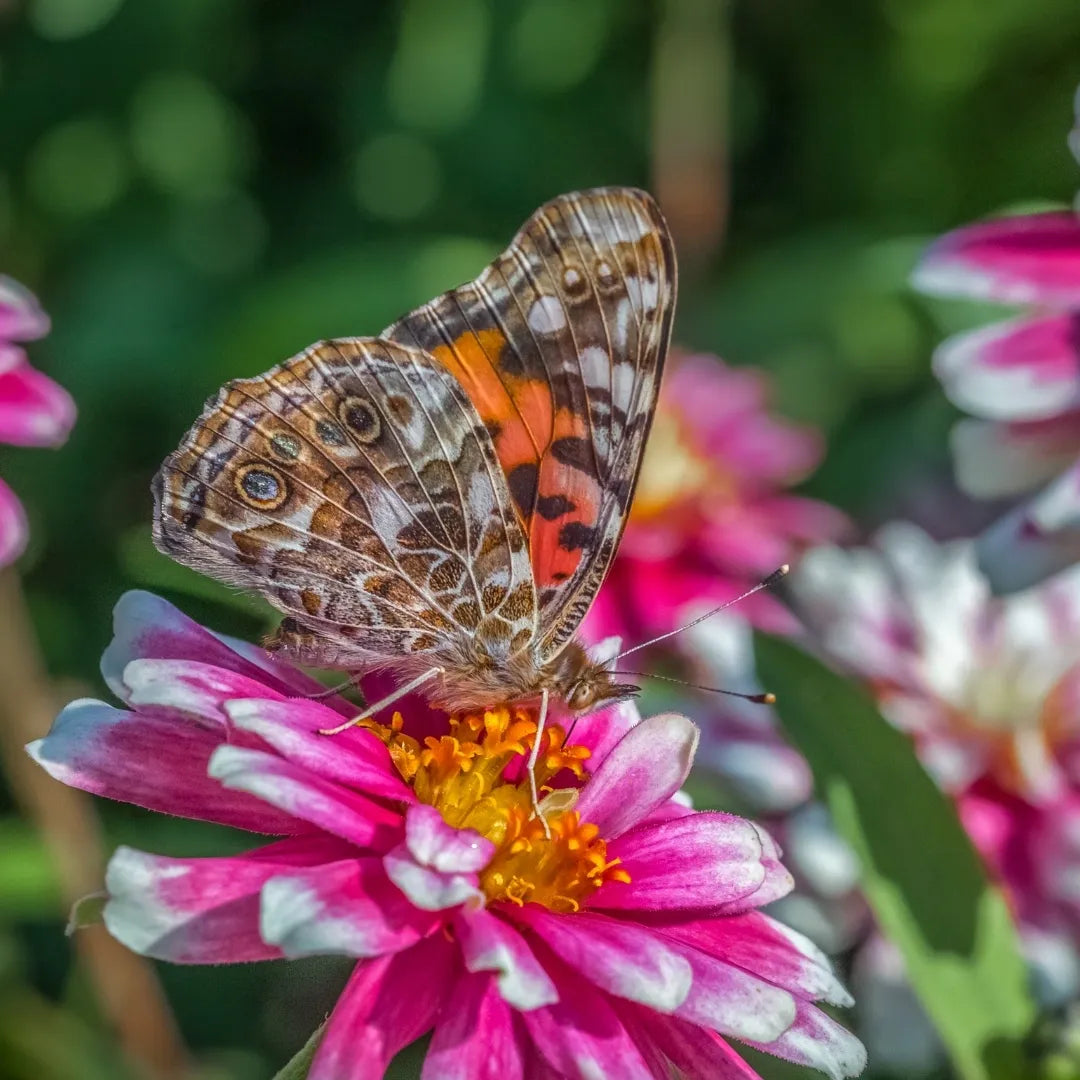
(560, 345)
(356, 488)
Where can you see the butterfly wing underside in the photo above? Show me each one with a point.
(560, 345)
(356, 488)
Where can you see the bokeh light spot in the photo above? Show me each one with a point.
(556, 43)
(78, 168)
(63, 20)
(438, 68)
(189, 139)
(396, 176)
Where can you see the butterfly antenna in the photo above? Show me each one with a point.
(756, 699)
(767, 583)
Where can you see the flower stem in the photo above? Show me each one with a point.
(127, 988)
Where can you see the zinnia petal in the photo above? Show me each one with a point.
(643, 771)
(820, 1042)
(432, 842)
(698, 1053)
(623, 958)
(21, 316)
(490, 944)
(34, 410)
(1035, 540)
(150, 762)
(200, 911)
(475, 1038)
(581, 1036)
(1032, 259)
(293, 789)
(387, 1004)
(13, 531)
(348, 907)
(994, 460)
(765, 947)
(146, 626)
(354, 758)
(699, 861)
(1022, 369)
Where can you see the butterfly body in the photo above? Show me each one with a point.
(446, 498)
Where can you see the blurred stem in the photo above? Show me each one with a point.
(691, 89)
(126, 986)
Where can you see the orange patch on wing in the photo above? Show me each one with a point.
(521, 413)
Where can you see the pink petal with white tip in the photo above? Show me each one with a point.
(303, 795)
(1023, 369)
(433, 843)
(348, 907)
(149, 762)
(200, 911)
(34, 410)
(13, 530)
(646, 767)
(819, 1042)
(146, 626)
(767, 948)
(623, 958)
(1035, 540)
(429, 889)
(1031, 259)
(475, 1038)
(21, 316)
(387, 1004)
(994, 460)
(186, 690)
(354, 758)
(490, 944)
(698, 861)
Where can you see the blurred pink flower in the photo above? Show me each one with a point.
(711, 517)
(34, 411)
(625, 945)
(1020, 379)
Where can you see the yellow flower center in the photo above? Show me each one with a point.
(461, 774)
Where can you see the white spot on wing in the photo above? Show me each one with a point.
(547, 316)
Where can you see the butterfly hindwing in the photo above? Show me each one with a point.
(560, 345)
(356, 488)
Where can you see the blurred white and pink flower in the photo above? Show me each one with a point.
(1020, 380)
(711, 515)
(989, 690)
(626, 944)
(34, 410)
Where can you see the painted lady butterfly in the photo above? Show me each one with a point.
(444, 500)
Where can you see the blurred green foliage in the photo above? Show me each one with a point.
(198, 189)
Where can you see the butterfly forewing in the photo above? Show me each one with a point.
(560, 345)
(356, 487)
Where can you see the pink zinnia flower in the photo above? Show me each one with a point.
(711, 516)
(34, 411)
(1020, 379)
(626, 943)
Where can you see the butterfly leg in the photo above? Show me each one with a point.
(534, 756)
(400, 692)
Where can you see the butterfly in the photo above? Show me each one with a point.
(444, 500)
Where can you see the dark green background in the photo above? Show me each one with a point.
(197, 189)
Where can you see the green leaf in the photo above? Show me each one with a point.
(298, 1065)
(920, 873)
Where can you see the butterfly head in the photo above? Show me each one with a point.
(586, 685)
